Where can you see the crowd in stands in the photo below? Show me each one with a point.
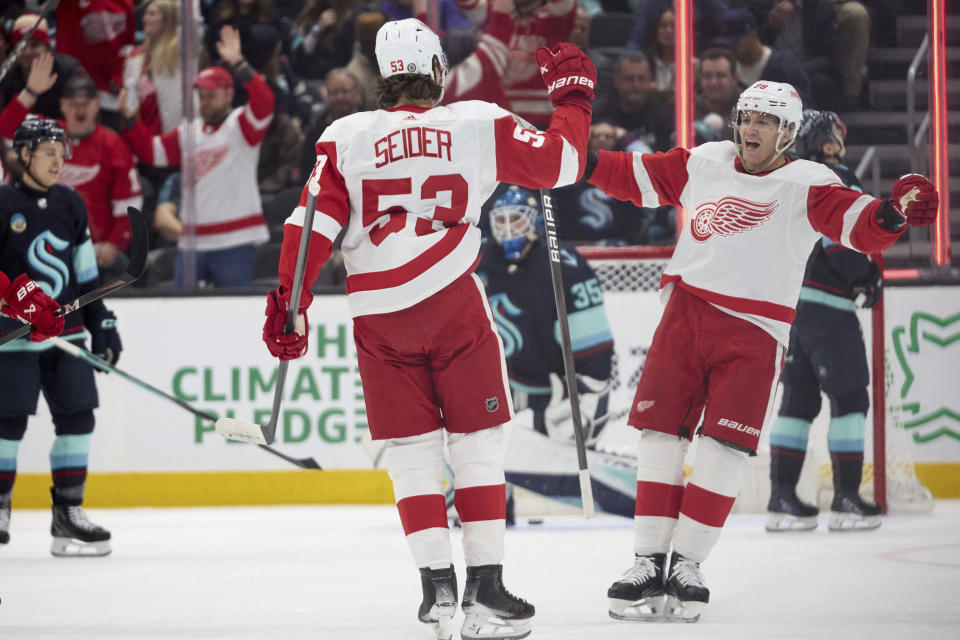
(271, 75)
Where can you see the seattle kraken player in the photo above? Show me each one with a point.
(826, 353)
(44, 234)
(515, 270)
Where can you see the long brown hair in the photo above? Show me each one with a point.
(412, 86)
(163, 50)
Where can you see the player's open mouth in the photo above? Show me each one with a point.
(750, 144)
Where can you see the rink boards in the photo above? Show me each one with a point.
(207, 351)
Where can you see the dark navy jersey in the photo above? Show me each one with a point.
(521, 297)
(45, 235)
(835, 270)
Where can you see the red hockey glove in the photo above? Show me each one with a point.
(568, 73)
(286, 346)
(27, 301)
(916, 199)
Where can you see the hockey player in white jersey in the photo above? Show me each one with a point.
(730, 290)
(410, 178)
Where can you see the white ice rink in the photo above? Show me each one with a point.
(345, 572)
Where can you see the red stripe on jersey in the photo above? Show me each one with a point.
(532, 158)
(826, 206)
(230, 225)
(260, 102)
(422, 512)
(706, 507)
(658, 499)
(405, 273)
(668, 173)
(481, 503)
(741, 305)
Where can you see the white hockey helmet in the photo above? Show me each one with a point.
(409, 46)
(777, 99)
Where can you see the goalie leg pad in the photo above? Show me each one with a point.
(414, 465)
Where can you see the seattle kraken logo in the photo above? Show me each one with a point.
(503, 310)
(55, 272)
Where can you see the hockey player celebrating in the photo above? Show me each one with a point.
(44, 235)
(826, 354)
(410, 178)
(731, 290)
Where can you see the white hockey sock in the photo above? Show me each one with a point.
(477, 462)
(659, 490)
(415, 466)
(714, 484)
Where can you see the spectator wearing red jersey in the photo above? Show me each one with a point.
(64, 66)
(229, 218)
(536, 23)
(98, 33)
(100, 166)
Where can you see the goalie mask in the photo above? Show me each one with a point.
(513, 221)
(409, 46)
(777, 99)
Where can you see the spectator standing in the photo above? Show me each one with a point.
(152, 71)
(64, 66)
(660, 51)
(755, 60)
(826, 355)
(99, 34)
(635, 105)
(322, 38)
(716, 100)
(450, 17)
(230, 219)
(100, 167)
(39, 217)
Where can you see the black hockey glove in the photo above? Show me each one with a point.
(104, 339)
(868, 292)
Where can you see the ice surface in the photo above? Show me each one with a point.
(345, 572)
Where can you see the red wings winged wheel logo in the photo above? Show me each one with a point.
(730, 215)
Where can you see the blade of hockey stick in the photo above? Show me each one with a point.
(99, 363)
(48, 7)
(248, 431)
(139, 247)
(556, 277)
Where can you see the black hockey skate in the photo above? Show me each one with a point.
(5, 524)
(439, 600)
(850, 512)
(639, 594)
(687, 593)
(490, 610)
(788, 512)
(74, 534)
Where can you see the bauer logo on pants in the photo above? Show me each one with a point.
(492, 404)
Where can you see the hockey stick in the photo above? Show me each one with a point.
(556, 277)
(139, 247)
(248, 431)
(45, 10)
(99, 363)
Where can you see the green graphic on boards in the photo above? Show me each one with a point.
(927, 340)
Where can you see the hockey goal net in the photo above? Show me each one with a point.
(630, 278)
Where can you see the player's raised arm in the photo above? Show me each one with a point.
(555, 157)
